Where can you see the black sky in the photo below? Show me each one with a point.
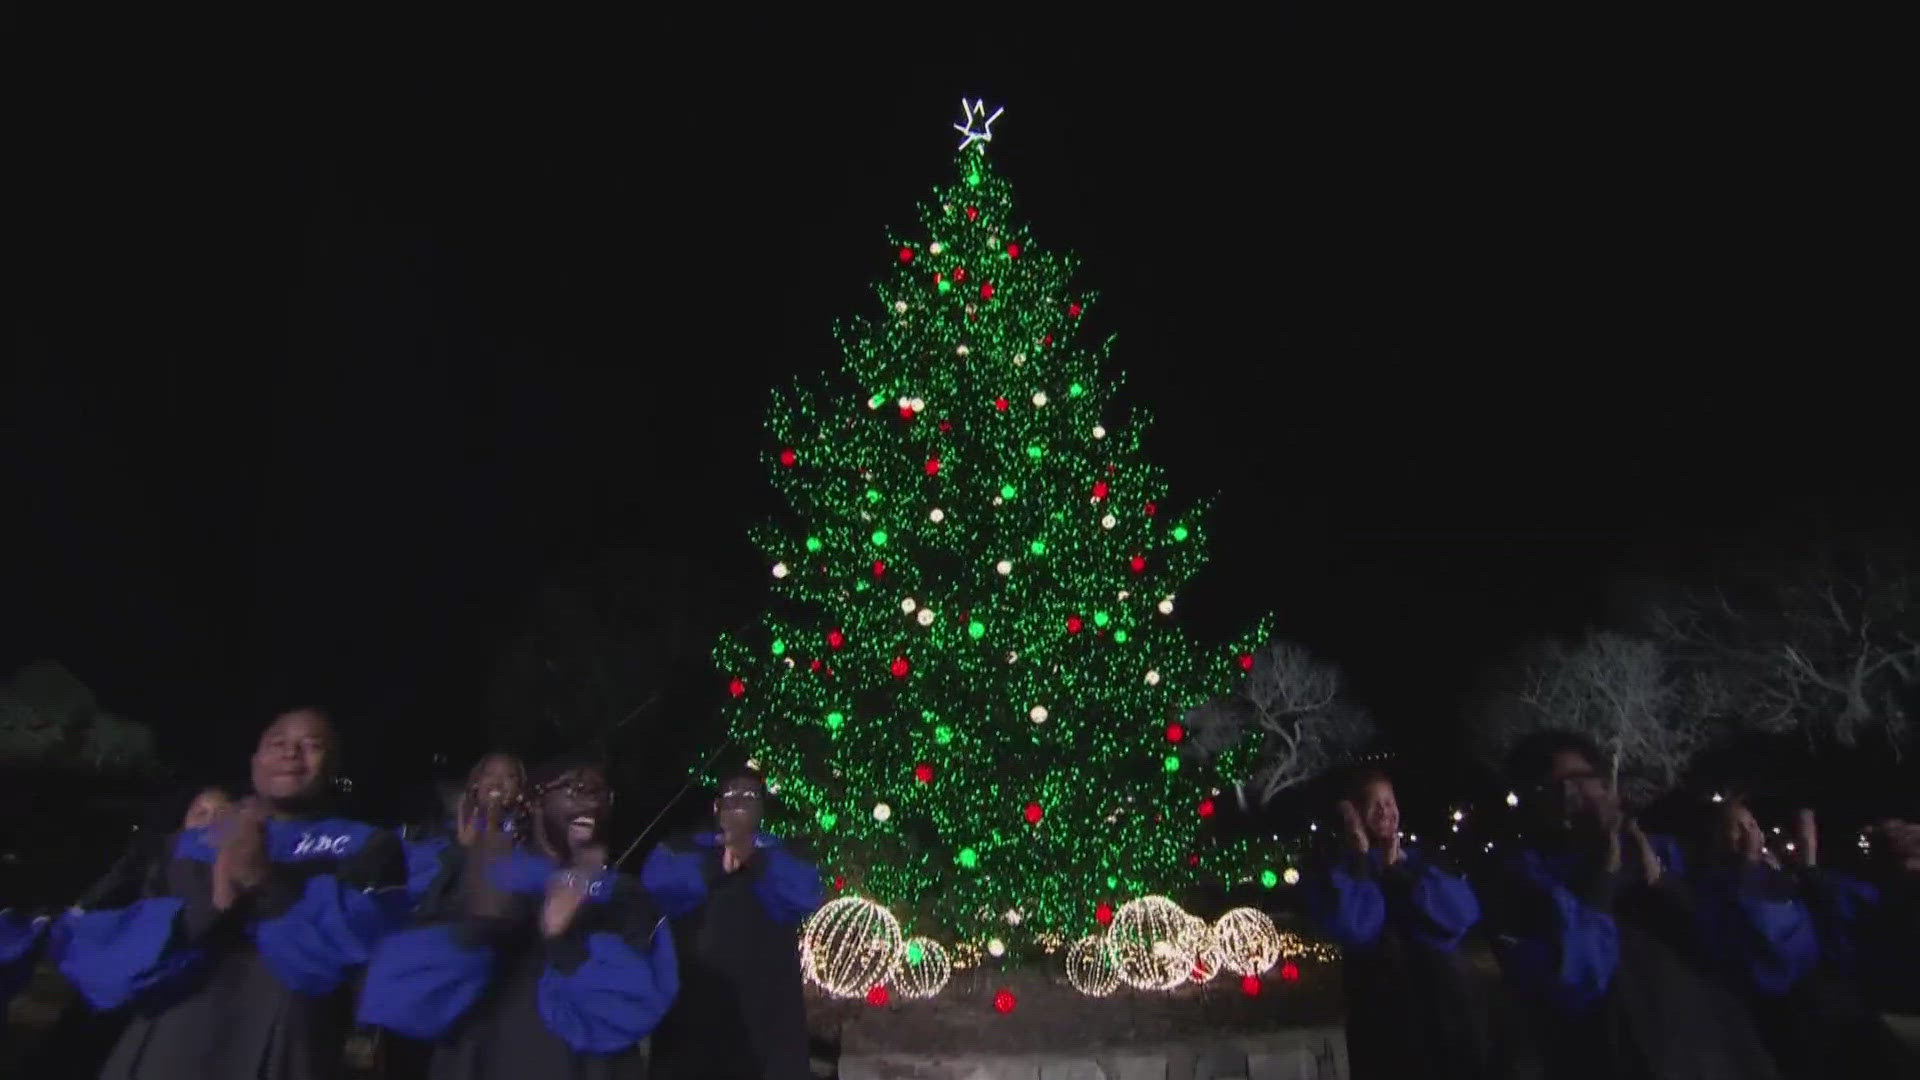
(318, 368)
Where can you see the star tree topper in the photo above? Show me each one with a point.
(977, 110)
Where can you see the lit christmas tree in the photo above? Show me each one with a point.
(968, 693)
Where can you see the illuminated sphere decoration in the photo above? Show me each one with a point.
(1146, 937)
(996, 948)
(1291, 876)
(1248, 943)
(923, 970)
(1091, 966)
(881, 811)
(1197, 942)
(1003, 1002)
(850, 946)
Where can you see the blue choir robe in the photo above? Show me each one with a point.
(741, 1011)
(497, 999)
(1411, 1008)
(257, 992)
(1606, 969)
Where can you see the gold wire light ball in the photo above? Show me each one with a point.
(924, 968)
(850, 946)
(1146, 940)
(1247, 941)
(1196, 942)
(1091, 966)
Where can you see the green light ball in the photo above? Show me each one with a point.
(834, 720)
(827, 819)
(976, 630)
(813, 544)
(1038, 547)
(1119, 637)
(1180, 533)
(1101, 618)
(1076, 390)
(946, 286)
(969, 858)
(1172, 763)
(879, 538)
(779, 647)
(943, 734)
(1269, 879)
(1006, 491)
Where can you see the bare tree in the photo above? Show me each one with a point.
(48, 717)
(1289, 721)
(1828, 647)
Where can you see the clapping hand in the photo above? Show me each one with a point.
(241, 861)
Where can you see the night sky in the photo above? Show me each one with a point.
(318, 371)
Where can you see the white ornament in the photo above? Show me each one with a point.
(906, 402)
(1040, 400)
(917, 404)
(936, 515)
(996, 947)
(1037, 714)
(849, 946)
(1019, 358)
(899, 307)
(1247, 941)
(1004, 567)
(1109, 521)
(925, 617)
(1153, 678)
(1147, 936)
(1099, 432)
(935, 248)
(907, 606)
(881, 811)
(997, 500)
(1290, 875)
(964, 351)
(779, 569)
(1166, 606)
(1012, 656)
(1123, 594)
(1013, 916)
(971, 134)
(754, 764)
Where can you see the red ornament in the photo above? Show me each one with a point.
(1175, 733)
(933, 466)
(906, 255)
(1099, 489)
(1246, 661)
(1046, 339)
(879, 568)
(835, 639)
(1206, 807)
(986, 291)
(1138, 563)
(1074, 624)
(923, 772)
(1003, 1002)
(1013, 251)
(1151, 509)
(1289, 972)
(877, 996)
(973, 213)
(1073, 309)
(938, 278)
(899, 667)
(906, 412)
(945, 426)
(814, 664)
(1034, 813)
(1000, 403)
(839, 882)
(959, 273)
(737, 687)
(1250, 985)
(1103, 913)
(788, 457)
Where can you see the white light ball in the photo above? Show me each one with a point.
(917, 404)
(1247, 941)
(1012, 916)
(907, 606)
(1513, 799)
(1290, 875)
(925, 618)
(935, 248)
(1037, 714)
(1166, 606)
(936, 515)
(881, 811)
(1109, 521)
(1019, 358)
(1146, 936)
(850, 946)
(964, 351)
(996, 947)
(1099, 432)
(899, 307)
(1091, 967)
(926, 976)
(906, 402)
(1003, 567)
(1122, 594)
(997, 500)
(779, 569)
(1012, 656)
(1040, 399)
(1153, 678)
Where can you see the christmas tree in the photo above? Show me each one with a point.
(967, 694)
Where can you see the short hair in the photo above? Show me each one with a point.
(1362, 778)
(554, 768)
(1532, 757)
(742, 772)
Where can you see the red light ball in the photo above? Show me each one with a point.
(1175, 733)
(1246, 661)
(1138, 564)
(899, 667)
(1074, 624)
(906, 412)
(1206, 807)
(1250, 985)
(788, 457)
(1073, 310)
(1046, 339)
(1003, 1002)
(1103, 913)
(986, 291)
(1289, 972)
(737, 687)
(839, 882)
(1000, 403)
(945, 426)
(1033, 813)
(813, 665)
(973, 213)
(933, 466)
(1150, 509)
(879, 568)
(1013, 251)
(906, 255)
(1100, 489)
(877, 996)
(959, 273)
(923, 772)
(835, 639)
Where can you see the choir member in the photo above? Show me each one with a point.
(737, 897)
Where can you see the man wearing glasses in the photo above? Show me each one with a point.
(736, 896)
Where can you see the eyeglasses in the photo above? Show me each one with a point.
(578, 789)
(742, 795)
